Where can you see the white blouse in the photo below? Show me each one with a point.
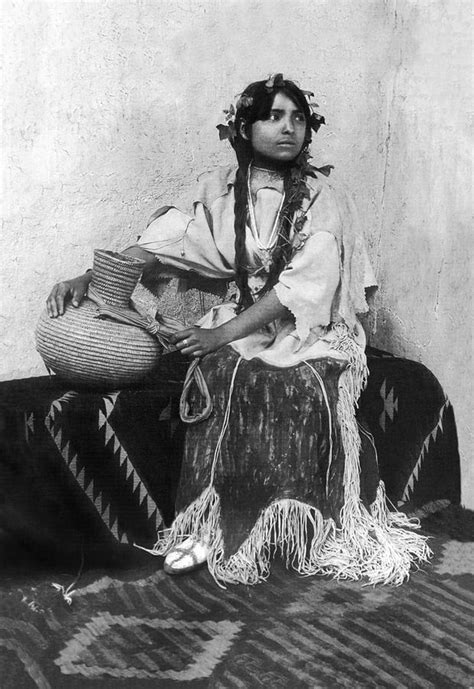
(307, 287)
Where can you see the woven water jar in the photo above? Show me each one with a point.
(83, 349)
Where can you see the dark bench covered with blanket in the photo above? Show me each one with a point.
(92, 471)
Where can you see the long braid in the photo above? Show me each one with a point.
(240, 228)
(293, 189)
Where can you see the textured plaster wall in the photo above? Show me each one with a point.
(424, 243)
(110, 111)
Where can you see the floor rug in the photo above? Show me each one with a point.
(137, 628)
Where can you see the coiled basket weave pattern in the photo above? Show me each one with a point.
(84, 349)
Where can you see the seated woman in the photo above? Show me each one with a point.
(277, 465)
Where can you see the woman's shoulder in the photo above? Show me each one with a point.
(212, 184)
(328, 189)
(320, 178)
(328, 203)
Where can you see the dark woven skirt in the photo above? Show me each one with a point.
(268, 471)
(276, 445)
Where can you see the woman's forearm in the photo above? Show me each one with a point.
(197, 341)
(267, 309)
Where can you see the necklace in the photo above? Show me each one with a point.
(266, 250)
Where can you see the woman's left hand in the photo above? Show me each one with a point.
(197, 342)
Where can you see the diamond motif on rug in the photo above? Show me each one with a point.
(146, 648)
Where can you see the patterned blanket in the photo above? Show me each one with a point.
(81, 470)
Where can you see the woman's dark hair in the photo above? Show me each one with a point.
(255, 103)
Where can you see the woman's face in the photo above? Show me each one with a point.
(280, 138)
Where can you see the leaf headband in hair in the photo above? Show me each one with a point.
(227, 129)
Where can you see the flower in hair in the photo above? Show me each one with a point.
(244, 101)
(227, 128)
(316, 120)
(274, 80)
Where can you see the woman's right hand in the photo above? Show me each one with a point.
(73, 289)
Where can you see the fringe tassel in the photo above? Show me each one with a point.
(201, 520)
(374, 544)
(286, 525)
